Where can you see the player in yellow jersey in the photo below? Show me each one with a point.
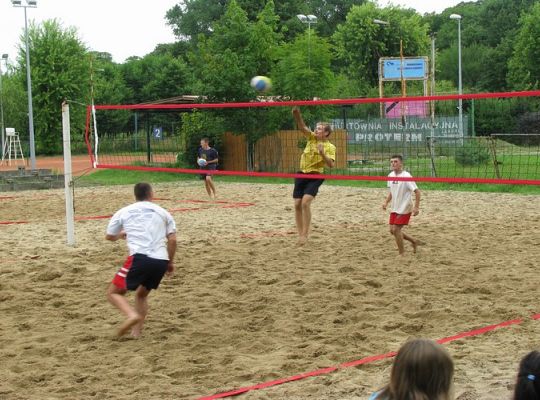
(318, 154)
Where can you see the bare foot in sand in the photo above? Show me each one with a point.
(136, 332)
(128, 324)
(302, 240)
(415, 244)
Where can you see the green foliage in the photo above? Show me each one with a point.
(476, 60)
(15, 103)
(524, 68)
(156, 76)
(359, 42)
(303, 70)
(58, 63)
(472, 153)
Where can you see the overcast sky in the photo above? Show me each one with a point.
(123, 28)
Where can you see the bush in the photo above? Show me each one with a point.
(472, 153)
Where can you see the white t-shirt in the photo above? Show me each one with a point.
(147, 226)
(402, 202)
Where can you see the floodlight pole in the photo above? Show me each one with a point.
(308, 19)
(460, 83)
(31, 4)
(3, 134)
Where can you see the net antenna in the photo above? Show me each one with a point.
(93, 110)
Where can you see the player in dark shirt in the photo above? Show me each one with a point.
(210, 155)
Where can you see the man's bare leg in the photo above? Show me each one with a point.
(141, 306)
(306, 217)
(207, 187)
(117, 299)
(299, 220)
(398, 234)
(210, 188)
(415, 242)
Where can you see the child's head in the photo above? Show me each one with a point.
(323, 130)
(528, 379)
(422, 370)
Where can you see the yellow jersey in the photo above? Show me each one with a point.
(311, 161)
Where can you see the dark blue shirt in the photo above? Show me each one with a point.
(209, 154)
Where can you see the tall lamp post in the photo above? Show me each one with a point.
(3, 135)
(460, 86)
(28, 4)
(308, 19)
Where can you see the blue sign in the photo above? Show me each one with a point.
(158, 132)
(413, 68)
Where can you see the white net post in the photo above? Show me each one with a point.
(68, 181)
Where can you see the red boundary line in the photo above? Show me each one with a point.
(96, 217)
(362, 361)
(326, 176)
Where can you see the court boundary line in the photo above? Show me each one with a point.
(171, 210)
(365, 360)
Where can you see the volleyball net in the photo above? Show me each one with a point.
(473, 138)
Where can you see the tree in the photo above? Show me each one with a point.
(359, 42)
(109, 87)
(330, 13)
(156, 76)
(193, 18)
(524, 71)
(489, 25)
(15, 103)
(476, 70)
(58, 63)
(226, 61)
(303, 69)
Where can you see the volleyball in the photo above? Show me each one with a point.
(202, 162)
(261, 83)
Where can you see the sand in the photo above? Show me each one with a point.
(248, 306)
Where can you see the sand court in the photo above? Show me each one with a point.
(247, 305)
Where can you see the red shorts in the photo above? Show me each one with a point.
(399, 219)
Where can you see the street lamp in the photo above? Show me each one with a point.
(308, 19)
(31, 4)
(3, 135)
(460, 86)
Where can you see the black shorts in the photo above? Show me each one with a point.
(142, 270)
(211, 167)
(304, 186)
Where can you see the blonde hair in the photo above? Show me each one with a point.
(422, 370)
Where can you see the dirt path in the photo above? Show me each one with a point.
(80, 164)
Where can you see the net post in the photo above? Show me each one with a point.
(68, 181)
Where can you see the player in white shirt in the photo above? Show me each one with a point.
(150, 232)
(400, 194)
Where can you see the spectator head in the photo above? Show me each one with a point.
(422, 370)
(528, 378)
